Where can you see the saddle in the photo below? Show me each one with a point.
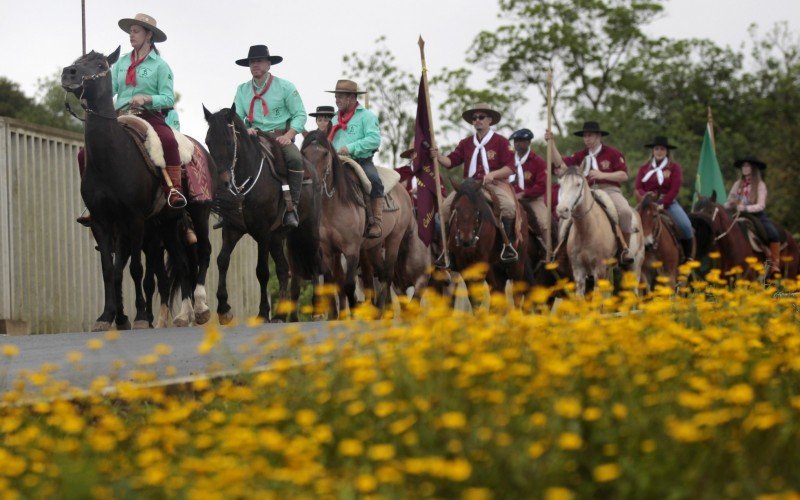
(389, 179)
(756, 234)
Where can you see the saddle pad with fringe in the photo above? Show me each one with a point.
(756, 243)
(389, 178)
(152, 143)
(198, 177)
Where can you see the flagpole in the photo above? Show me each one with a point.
(436, 177)
(549, 194)
(711, 130)
(83, 24)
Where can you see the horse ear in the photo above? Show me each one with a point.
(456, 184)
(713, 196)
(112, 57)
(233, 107)
(206, 113)
(231, 112)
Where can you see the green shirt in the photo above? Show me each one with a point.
(362, 136)
(284, 106)
(153, 78)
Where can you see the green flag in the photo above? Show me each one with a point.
(709, 176)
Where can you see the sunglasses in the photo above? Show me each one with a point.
(478, 117)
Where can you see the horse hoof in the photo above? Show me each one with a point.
(225, 318)
(101, 326)
(141, 324)
(180, 322)
(202, 317)
(277, 320)
(124, 326)
(318, 317)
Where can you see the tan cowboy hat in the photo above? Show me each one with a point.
(347, 86)
(486, 108)
(408, 153)
(147, 22)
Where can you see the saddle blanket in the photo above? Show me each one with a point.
(389, 177)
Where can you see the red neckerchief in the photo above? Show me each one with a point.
(130, 76)
(257, 97)
(341, 124)
(745, 188)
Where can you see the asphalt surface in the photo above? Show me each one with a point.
(52, 351)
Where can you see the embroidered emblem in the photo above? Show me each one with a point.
(605, 165)
(528, 176)
(667, 173)
(491, 154)
(144, 72)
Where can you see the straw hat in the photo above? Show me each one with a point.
(486, 108)
(346, 86)
(145, 21)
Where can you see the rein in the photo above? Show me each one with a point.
(232, 187)
(733, 223)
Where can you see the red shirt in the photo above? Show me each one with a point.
(499, 154)
(534, 173)
(667, 191)
(608, 160)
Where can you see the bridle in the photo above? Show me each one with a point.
(578, 199)
(328, 173)
(733, 222)
(239, 190)
(473, 241)
(89, 111)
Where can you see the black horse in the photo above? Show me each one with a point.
(122, 195)
(250, 202)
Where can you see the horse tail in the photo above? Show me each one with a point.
(182, 258)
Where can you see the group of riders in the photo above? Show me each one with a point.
(272, 106)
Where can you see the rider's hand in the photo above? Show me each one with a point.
(434, 153)
(548, 135)
(252, 131)
(488, 179)
(740, 207)
(284, 140)
(140, 100)
(595, 175)
(344, 151)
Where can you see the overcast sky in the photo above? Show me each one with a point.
(205, 37)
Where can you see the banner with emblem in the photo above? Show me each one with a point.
(423, 170)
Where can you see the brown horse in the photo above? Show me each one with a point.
(473, 238)
(726, 236)
(343, 224)
(591, 243)
(660, 243)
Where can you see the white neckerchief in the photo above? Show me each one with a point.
(480, 147)
(518, 176)
(658, 170)
(591, 160)
(414, 182)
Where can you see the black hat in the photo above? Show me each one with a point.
(752, 160)
(522, 134)
(591, 127)
(258, 52)
(660, 140)
(324, 111)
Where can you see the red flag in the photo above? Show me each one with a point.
(423, 170)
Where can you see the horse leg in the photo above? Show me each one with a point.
(181, 269)
(352, 261)
(137, 272)
(389, 265)
(262, 273)
(104, 238)
(276, 250)
(122, 255)
(200, 215)
(368, 275)
(230, 237)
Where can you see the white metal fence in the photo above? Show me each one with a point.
(49, 271)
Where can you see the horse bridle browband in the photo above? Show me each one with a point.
(232, 187)
(86, 108)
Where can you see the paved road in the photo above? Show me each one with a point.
(53, 349)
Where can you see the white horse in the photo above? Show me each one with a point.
(591, 240)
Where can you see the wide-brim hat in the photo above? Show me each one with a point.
(486, 108)
(752, 160)
(592, 127)
(143, 20)
(348, 87)
(258, 52)
(324, 111)
(660, 140)
(522, 134)
(409, 153)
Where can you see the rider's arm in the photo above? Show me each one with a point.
(297, 111)
(761, 203)
(241, 102)
(371, 140)
(538, 184)
(163, 95)
(674, 187)
(733, 196)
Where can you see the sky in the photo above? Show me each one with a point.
(205, 37)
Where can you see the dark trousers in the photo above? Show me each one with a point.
(769, 227)
(372, 175)
(164, 131)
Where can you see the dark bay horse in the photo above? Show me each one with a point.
(250, 179)
(710, 218)
(343, 222)
(474, 238)
(660, 244)
(121, 193)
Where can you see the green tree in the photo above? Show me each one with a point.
(392, 96)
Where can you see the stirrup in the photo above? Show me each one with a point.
(290, 219)
(505, 258)
(441, 262)
(183, 198)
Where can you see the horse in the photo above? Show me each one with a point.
(730, 238)
(343, 223)
(250, 203)
(591, 243)
(473, 238)
(122, 194)
(660, 243)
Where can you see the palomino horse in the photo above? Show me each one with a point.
(343, 223)
(660, 243)
(121, 193)
(727, 235)
(591, 243)
(256, 209)
(473, 238)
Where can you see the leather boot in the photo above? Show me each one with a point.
(509, 254)
(376, 222)
(775, 255)
(174, 188)
(291, 197)
(686, 244)
(85, 218)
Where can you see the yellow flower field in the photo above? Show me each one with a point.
(695, 395)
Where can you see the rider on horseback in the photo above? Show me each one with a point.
(491, 160)
(749, 194)
(605, 169)
(142, 82)
(356, 133)
(273, 106)
(661, 176)
(323, 117)
(530, 180)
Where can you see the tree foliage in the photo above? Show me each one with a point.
(45, 108)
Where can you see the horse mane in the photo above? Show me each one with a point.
(345, 184)
(471, 188)
(647, 202)
(572, 170)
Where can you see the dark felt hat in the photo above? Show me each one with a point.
(752, 160)
(660, 140)
(323, 111)
(593, 127)
(258, 52)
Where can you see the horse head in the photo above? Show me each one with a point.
(317, 150)
(713, 211)
(88, 77)
(470, 213)
(570, 193)
(649, 214)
